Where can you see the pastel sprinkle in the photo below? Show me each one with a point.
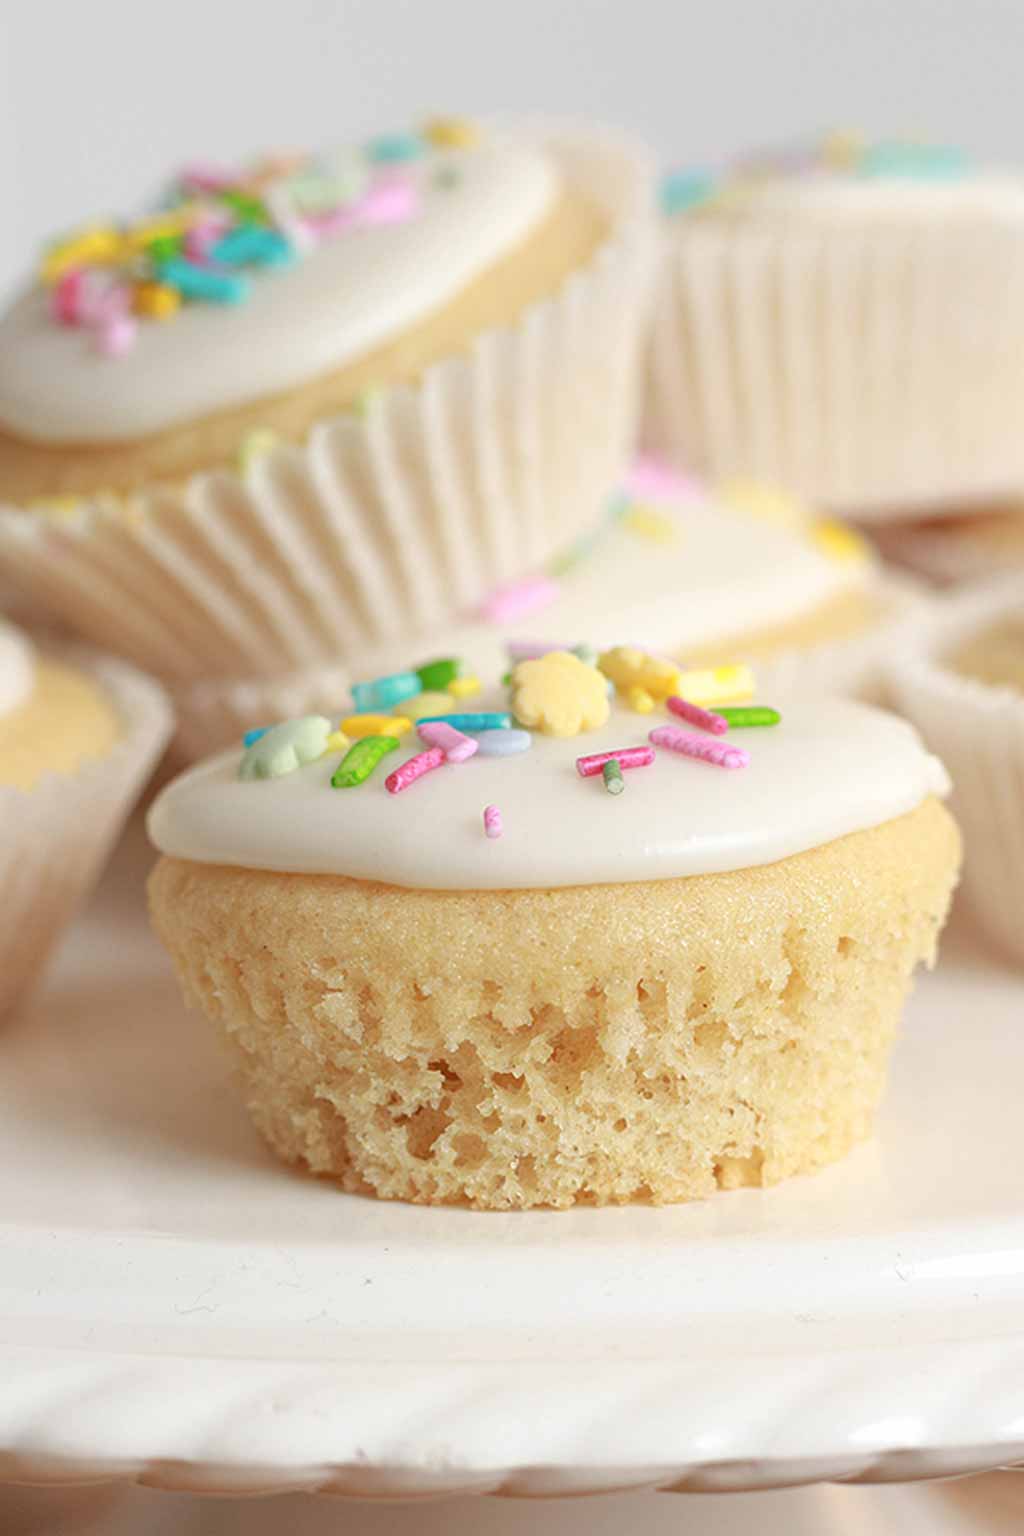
(630, 667)
(654, 479)
(157, 301)
(116, 335)
(639, 699)
(361, 759)
(337, 741)
(414, 768)
(451, 132)
(708, 721)
(358, 726)
(195, 282)
(682, 190)
(283, 748)
(422, 706)
(626, 757)
(487, 720)
(435, 676)
(455, 746)
(255, 734)
(839, 542)
(394, 148)
(504, 743)
(611, 773)
(493, 825)
(520, 598)
(464, 687)
(649, 523)
(715, 685)
(252, 245)
(382, 692)
(750, 715)
(720, 753)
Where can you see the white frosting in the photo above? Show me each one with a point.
(17, 668)
(831, 767)
(334, 304)
(824, 194)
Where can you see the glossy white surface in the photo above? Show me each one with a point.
(830, 767)
(176, 1306)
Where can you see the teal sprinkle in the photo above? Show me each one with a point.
(492, 720)
(393, 148)
(682, 190)
(254, 735)
(917, 162)
(250, 245)
(194, 282)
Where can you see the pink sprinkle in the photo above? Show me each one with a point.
(413, 769)
(519, 599)
(455, 746)
(388, 202)
(717, 752)
(116, 335)
(705, 718)
(67, 297)
(654, 478)
(626, 757)
(529, 650)
(205, 178)
(202, 236)
(493, 825)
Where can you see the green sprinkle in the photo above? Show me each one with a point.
(435, 676)
(614, 783)
(165, 247)
(361, 759)
(746, 715)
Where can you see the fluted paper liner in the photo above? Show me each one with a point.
(384, 524)
(55, 837)
(978, 731)
(870, 367)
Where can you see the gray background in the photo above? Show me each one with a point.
(100, 99)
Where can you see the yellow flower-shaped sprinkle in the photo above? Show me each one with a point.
(559, 695)
(630, 668)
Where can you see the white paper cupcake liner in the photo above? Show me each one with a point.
(978, 731)
(55, 838)
(386, 523)
(869, 368)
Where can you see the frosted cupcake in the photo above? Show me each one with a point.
(78, 737)
(961, 680)
(322, 401)
(563, 950)
(844, 321)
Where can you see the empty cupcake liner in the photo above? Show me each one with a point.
(870, 368)
(385, 523)
(978, 731)
(55, 837)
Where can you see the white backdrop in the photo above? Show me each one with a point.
(100, 99)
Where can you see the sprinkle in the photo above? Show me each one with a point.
(611, 773)
(707, 721)
(639, 699)
(394, 148)
(451, 133)
(157, 301)
(654, 479)
(519, 598)
(435, 676)
(204, 178)
(715, 685)
(684, 189)
(626, 757)
(425, 706)
(358, 726)
(382, 692)
(630, 667)
(255, 734)
(98, 245)
(255, 445)
(721, 753)
(464, 687)
(493, 825)
(65, 300)
(414, 768)
(765, 502)
(337, 741)
(559, 695)
(489, 720)
(838, 542)
(504, 743)
(250, 245)
(195, 282)
(116, 335)
(283, 748)
(648, 523)
(361, 759)
(455, 746)
(751, 715)
(202, 237)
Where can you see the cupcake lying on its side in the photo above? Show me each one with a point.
(552, 949)
(322, 402)
(78, 737)
(844, 320)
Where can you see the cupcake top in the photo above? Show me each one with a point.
(53, 716)
(245, 284)
(17, 668)
(845, 177)
(591, 769)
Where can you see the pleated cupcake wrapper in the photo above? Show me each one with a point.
(383, 523)
(55, 838)
(978, 732)
(870, 368)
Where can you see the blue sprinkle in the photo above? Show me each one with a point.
(503, 743)
(194, 282)
(382, 692)
(392, 148)
(681, 190)
(495, 720)
(254, 735)
(918, 162)
(249, 245)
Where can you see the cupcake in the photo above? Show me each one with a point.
(961, 681)
(841, 320)
(321, 402)
(960, 546)
(550, 948)
(78, 737)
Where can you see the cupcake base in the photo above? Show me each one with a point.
(602, 1044)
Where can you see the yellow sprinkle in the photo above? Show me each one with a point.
(649, 523)
(157, 300)
(839, 542)
(358, 726)
(842, 149)
(717, 685)
(255, 445)
(463, 687)
(765, 502)
(559, 694)
(160, 226)
(639, 699)
(337, 741)
(428, 704)
(101, 243)
(451, 133)
(628, 667)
